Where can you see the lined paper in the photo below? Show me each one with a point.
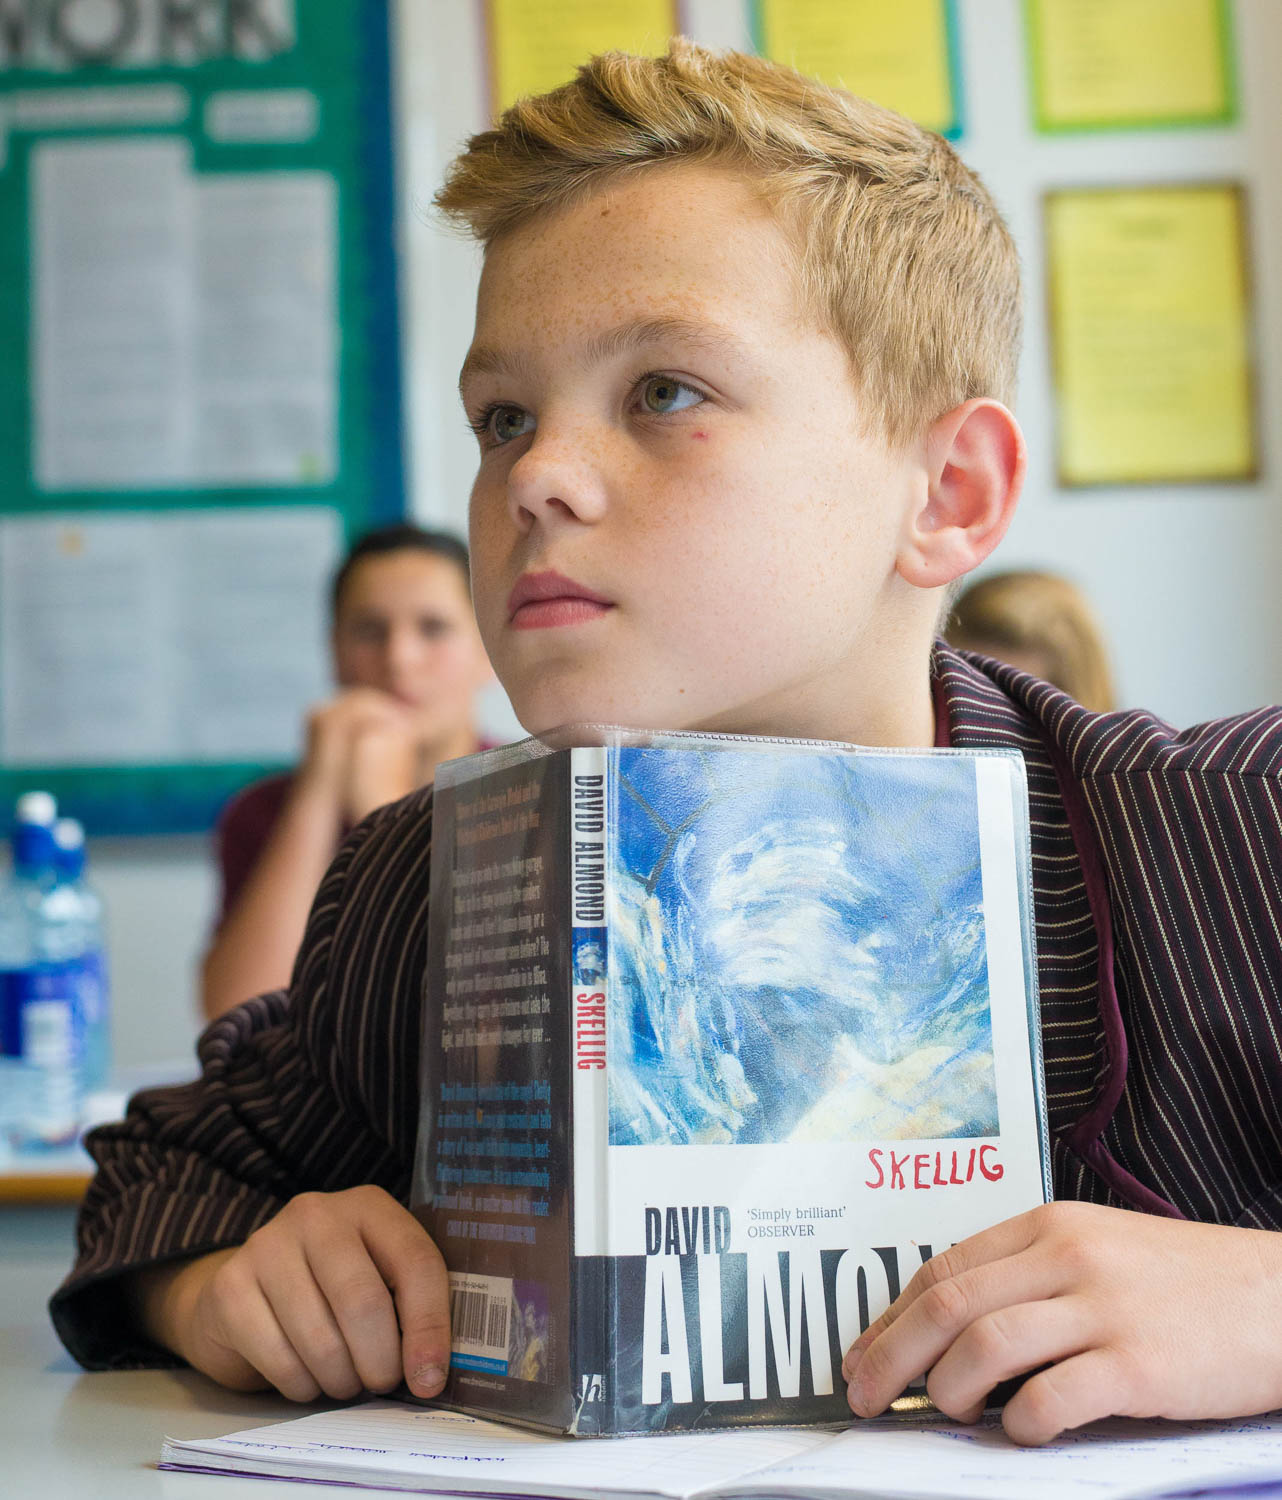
(402, 1447)
(385, 1441)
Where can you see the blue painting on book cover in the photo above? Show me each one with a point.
(797, 950)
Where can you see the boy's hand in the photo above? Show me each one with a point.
(1131, 1315)
(339, 1293)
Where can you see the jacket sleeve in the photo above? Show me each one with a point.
(310, 1089)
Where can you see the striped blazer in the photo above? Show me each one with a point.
(1157, 867)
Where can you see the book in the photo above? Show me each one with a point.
(723, 1038)
(398, 1447)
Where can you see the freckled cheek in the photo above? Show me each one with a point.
(487, 594)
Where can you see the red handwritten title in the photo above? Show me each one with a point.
(589, 1029)
(931, 1169)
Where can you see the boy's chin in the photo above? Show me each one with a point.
(632, 702)
(543, 718)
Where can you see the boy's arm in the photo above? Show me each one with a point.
(310, 1093)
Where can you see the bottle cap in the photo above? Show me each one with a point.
(69, 848)
(36, 807)
(69, 833)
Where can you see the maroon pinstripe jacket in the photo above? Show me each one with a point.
(1157, 866)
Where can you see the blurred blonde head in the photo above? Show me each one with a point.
(901, 254)
(1042, 624)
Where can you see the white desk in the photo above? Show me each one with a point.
(68, 1435)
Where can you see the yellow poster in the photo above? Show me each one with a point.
(1150, 332)
(535, 45)
(1101, 64)
(900, 55)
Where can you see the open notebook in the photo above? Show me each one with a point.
(389, 1446)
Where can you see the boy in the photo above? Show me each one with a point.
(741, 350)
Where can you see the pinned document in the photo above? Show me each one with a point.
(903, 56)
(1130, 64)
(1150, 330)
(536, 45)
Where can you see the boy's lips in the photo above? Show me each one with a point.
(541, 600)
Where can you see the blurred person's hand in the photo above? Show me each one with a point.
(386, 763)
(363, 750)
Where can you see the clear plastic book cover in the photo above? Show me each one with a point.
(691, 999)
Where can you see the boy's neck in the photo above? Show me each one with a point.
(895, 709)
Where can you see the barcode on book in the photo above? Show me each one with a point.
(480, 1321)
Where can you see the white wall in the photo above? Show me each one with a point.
(1184, 579)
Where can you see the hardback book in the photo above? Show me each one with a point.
(723, 1039)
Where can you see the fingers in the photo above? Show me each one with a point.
(341, 1292)
(938, 1306)
(334, 727)
(1080, 1390)
(1002, 1344)
(366, 707)
(1007, 1238)
(308, 1321)
(412, 1266)
(246, 1326)
(362, 1313)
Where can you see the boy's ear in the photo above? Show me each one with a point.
(975, 463)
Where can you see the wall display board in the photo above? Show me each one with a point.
(199, 384)
(904, 56)
(1130, 64)
(535, 45)
(1150, 320)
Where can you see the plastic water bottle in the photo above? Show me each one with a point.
(32, 842)
(73, 909)
(41, 1027)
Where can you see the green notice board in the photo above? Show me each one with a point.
(199, 384)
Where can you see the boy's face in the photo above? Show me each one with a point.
(681, 519)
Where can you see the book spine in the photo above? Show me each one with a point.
(589, 1075)
(590, 965)
(492, 1181)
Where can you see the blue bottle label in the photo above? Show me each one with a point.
(43, 1006)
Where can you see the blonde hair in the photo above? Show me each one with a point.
(1040, 613)
(902, 254)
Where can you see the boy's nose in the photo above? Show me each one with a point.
(555, 482)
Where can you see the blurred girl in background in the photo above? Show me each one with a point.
(1042, 624)
(409, 663)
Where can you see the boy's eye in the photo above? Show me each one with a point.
(504, 423)
(661, 393)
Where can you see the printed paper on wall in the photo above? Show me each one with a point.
(535, 45)
(1150, 330)
(902, 55)
(1110, 64)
